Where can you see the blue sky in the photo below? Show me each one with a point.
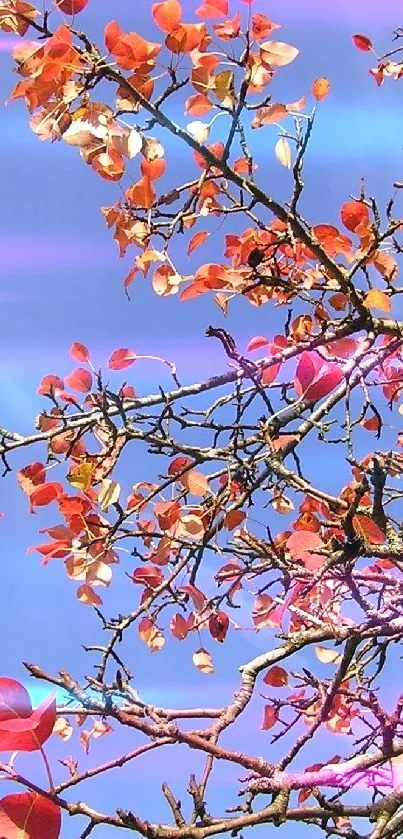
(61, 280)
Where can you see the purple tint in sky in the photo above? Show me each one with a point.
(61, 280)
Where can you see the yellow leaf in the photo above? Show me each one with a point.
(376, 299)
(282, 151)
(80, 476)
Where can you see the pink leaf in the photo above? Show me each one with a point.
(314, 377)
(121, 358)
(302, 543)
(79, 379)
(79, 352)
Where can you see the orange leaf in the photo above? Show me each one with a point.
(198, 105)
(197, 240)
(376, 299)
(354, 213)
(153, 168)
(167, 15)
(276, 677)
(320, 88)
(141, 194)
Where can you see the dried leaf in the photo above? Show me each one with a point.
(109, 494)
(203, 661)
(282, 150)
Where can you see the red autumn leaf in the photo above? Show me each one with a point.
(197, 596)
(79, 352)
(167, 513)
(314, 377)
(167, 15)
(21, 728)
(233, 519)
(269, 718)
(179, 627)
(31, 476)
(305, 545)
(14, 699)
(44, 494)
(362, 42)
(58, 549)
(354, 213)
(276, 677)
(27, 815)
(79, 379)
(71, 7)
(178, 464)
(148, 575)
(218, 625)
(50, 385)
(263, 612)
(121, 358)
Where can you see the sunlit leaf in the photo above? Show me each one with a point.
(282, 150)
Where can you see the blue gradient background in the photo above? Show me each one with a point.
(61, 280)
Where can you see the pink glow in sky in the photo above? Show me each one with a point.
(8, 44)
